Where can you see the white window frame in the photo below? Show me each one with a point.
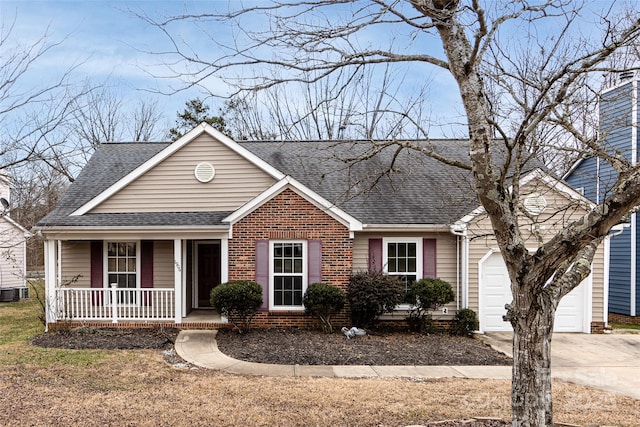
(105, 261)
(419, 259)
(305, 261)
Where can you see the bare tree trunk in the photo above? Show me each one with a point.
(531, 398)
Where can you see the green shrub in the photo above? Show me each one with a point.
(371, 295)
(239, 301)
(465, 322)
(323, 301)
(424, 295)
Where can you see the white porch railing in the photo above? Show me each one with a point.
(114, 304)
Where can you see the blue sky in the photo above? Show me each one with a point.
(108, 42)
(103, 38)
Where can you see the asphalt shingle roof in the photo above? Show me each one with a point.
(386, 188)
(413, 189)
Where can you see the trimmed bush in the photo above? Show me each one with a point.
(239, 301)
(424, 295)
(372, 294)
(323, 301)
(465, 322)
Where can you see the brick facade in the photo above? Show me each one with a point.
(289, 216)
(597, 327)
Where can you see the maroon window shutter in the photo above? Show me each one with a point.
(429, 258)
(146, 268)
(96, 271)
(262, 270)
(375, 255)
(314, 262)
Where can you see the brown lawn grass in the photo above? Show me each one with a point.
(47, 387)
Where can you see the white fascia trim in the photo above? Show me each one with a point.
(552, 183)
(461, 224)
(556, 184)
(23, 230)
(573, 167)
(167, 228)
(171, 149)
(169, 233)
(303, 191)
(405, 227)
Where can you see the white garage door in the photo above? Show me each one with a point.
(495, 292)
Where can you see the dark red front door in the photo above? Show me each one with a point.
(208, 271)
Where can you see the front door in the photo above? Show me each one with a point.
(208, 271)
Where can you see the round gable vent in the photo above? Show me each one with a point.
(205, 172)
(535, 204)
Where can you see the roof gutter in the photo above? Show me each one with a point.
(405, 227)
(169, 232)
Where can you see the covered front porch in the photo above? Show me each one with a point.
(134, 281)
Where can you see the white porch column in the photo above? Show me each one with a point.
(224, 261)
(177, 278)
(50, 284)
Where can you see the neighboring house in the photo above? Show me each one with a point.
(13, 246)
(166, 223)
(594, 176)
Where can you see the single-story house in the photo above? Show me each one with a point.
(148, 229)
(13, 248)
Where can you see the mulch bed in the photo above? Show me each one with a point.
(109, 338)
(303, 347)
(295, 346)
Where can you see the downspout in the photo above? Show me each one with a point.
(460, 230)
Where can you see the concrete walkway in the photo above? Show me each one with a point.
(200, 349)
(608, 362)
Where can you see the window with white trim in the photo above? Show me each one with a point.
(122, 269)
(402, 257)
(287, 274)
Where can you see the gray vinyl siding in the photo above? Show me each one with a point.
(615, 119)
(620, 273)
(615, 132)
(584, 176)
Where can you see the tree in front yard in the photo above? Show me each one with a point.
(526, 75)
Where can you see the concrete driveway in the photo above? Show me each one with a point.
(606, 361)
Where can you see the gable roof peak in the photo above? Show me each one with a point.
(170, 150)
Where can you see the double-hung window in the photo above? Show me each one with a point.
(122, 269)
(287, 274)
(402, 257)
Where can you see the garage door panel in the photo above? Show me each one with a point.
(495, 293)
